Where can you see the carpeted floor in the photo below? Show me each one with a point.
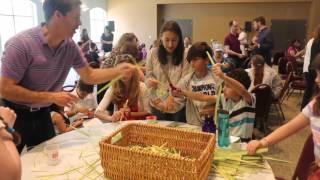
(290, 148)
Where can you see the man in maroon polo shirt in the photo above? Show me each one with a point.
(232, 45)
(35, 65)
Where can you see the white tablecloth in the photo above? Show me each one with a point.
(79, 152)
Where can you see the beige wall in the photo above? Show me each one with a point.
(211, 20)
(85, 16)
(314, 18)
(140, 16)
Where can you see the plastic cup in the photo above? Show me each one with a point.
(52, 153)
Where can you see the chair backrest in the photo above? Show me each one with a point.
(263, 94)
(285, 87)
(277, 56)
(306, 160)
(246, 63)
(282, 65)
(290, 67)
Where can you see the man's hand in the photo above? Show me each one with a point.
(241, 56)
(8, 116)
(126, 69)
(64, 99)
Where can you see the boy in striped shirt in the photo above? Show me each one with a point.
(235, 99)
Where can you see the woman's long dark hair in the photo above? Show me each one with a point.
(177, 58)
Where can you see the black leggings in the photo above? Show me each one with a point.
(179, 116)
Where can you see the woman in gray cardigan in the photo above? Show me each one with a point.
(166, 63)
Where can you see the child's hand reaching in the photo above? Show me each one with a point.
(216, 70)
(177, 92)
(253, 146)
(158, 103)
(77, 123)
(116, 116)
(90, 114)
(125, 111)
(166, 106)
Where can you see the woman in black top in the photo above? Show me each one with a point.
(106, 40)
(85, 39)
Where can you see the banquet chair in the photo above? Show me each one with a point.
(263, 95)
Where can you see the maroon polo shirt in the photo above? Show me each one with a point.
(232, 41)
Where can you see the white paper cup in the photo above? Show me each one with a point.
(52, 153)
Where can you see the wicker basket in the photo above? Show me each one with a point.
(120, 162)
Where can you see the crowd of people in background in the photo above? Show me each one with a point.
(173, 80)
(174, 59)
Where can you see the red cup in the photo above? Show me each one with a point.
(151, 118)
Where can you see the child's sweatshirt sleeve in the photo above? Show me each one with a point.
(180, 102)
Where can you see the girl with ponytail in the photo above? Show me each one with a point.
(261, 73)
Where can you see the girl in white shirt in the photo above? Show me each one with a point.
(261, 73)
(164, 63)
(129, 96)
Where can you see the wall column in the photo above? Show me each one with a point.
(314, 17)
